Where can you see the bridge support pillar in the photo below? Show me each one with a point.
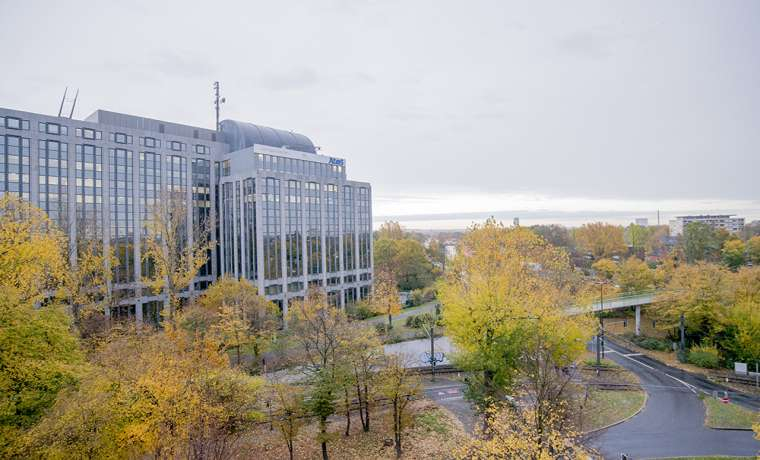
(638, 320)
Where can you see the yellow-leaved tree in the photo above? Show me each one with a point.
(600, 239)
(504, 298)
(173, 256)
(385, 296)
(164, 394)
(32, 251)
(239, 316)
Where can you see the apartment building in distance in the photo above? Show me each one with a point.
(282, 214)
(718, 221)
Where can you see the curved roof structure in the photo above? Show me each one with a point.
(241, 135)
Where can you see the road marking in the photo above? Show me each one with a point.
(687, 385)
(633, 354)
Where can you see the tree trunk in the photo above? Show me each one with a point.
(348, 413)
(390, 321)
(366, 409)
(290, 449)
(323, 432)
(397, 427)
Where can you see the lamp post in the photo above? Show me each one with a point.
(600, 334)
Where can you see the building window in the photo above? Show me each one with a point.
(121, 213)
(332, 238)
(120, 138)
(228, 228)
(54, 181)
(225, 168)
(201, 189)
(249, 225)
(16, 123)
(313, 228)
(176, 146)
(151, 142)
(295, 286)
(349, 257)
(14, 165)
(150, 192)
(53, 128)
(271, 220)
(87, 133)
(365, 230)
(89, 191)
(273, 289)
(201, 149)
(293, 237)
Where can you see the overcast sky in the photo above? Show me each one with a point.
(590, 109)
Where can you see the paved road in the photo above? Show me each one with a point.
(449, 394)
(424, 308)
(672, 423)
(413, 350)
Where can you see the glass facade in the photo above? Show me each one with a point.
(349, 257)
(271, 220)
(14, 164)
(54, 181)
(201, 189)
(293, 237)
(122, 218)
(150, 193)
(365, 228)
(228, 228)
(89, 191)
(249, 216)
(332, 238)
(313, 229)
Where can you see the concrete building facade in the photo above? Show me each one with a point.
(718, 221)
(280, 213)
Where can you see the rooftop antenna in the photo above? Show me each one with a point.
(74, 104)
(63, 99)
(218, 101)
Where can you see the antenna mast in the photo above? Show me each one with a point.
(74, 104)
(218, 101)
(63, 99)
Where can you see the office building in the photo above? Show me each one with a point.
(720, 221)
(282, 214)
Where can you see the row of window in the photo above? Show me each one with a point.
(295, 166)
(94, 134)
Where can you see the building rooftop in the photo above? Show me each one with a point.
(241, 135)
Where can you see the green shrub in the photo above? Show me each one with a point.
(420, 296)
(360, 311)
(650, 343)
(381, 328)
(705, 356)
(417, 321)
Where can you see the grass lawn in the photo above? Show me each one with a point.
(721, 415)
(605, 407)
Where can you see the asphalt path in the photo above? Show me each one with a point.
(672, 422)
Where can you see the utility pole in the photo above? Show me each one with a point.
(218, 101)
(682, 327)
(600, 334)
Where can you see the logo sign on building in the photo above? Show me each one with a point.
(337, 161)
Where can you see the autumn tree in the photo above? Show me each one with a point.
(700, 293)
(635, 276)
(606, 268)
(699, 242)
(406, 259)
(499, 285)
(637, 237)
(32, 251)
(385, 296)
(39, 356)
(291, 408)
(399, 385)
(175, 258)
(175, 397)
(753, 250)
(240, 317)
(320, 334)
(600, 239)
(733, 253)
(364, 357)
(744, 315)
(521, 434)
(390, 230)
(556, 235)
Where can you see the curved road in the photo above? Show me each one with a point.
(671, 424)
